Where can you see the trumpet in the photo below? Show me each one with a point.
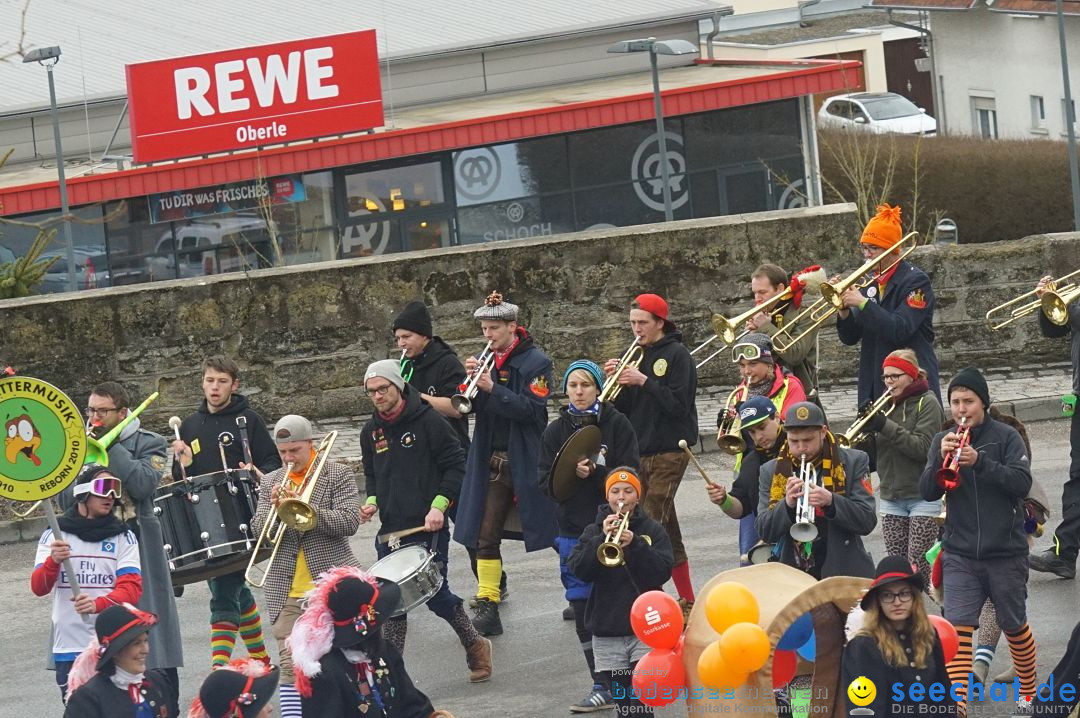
(804, 530)
(948, 476)
(729, 437)
(610, 553)
(632, 357)
(1059, 294)
(854, 435)
(405, 365)
(293, 513)
(462, 401)
(832, 301)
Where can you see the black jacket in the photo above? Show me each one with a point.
(646, 567)
(745, 487)
(664, 409)
(985, 519)
(1066, 672)
(618, 447)
(334, 691)
(862, 657)
(1054, 331)
(439, 372)
(410, 461)
(100, 698)
(202, 429)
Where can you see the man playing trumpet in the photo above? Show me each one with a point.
(838, 494)
(510, 404)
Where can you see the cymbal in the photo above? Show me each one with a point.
(585, 442)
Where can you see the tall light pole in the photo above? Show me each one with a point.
(1070, 118)
(48, 57)
(659, 47)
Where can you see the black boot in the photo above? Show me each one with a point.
(486, 618)
(1050, 562)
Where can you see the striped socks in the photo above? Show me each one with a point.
(290, 701)
(1022, 648)
(252, 633)
(960, 666)
(222, 641)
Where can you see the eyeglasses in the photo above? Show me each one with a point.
(902, 596)
(103, 487)
(892, 377)
(381, 390)
(91, 411)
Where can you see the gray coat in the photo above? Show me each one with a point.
(853, 517)
(138, 459)
(903, 443)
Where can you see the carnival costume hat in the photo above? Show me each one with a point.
(495, 308)
(240, 688)
(890, 570)
(116, 627)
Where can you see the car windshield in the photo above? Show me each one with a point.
(888, 108)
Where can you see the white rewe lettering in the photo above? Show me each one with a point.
(275, 77)
(316, 73)
(249, 133)
(227, 87)
(192, 84)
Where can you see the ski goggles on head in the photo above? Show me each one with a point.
(104, 486)
(750, 352)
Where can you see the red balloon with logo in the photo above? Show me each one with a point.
(659, 678)
(950, 641)
(657, 620)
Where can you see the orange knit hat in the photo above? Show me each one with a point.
(623, 473)
(884, 229)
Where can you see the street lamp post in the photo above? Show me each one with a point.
(659, 47)
(48, 57)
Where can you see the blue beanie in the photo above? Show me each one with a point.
(589, 367)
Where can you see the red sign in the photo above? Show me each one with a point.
(239, 99)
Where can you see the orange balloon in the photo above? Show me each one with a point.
(745, 647)
(715, 673)
(729, 603)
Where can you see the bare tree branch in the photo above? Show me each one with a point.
(20, 44)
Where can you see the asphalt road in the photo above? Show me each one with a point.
(539, 670)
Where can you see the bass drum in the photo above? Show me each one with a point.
(206, 522)
(413, 568)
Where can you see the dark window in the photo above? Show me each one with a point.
(516, 169)
(524, 217)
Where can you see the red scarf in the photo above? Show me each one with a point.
(501, 357)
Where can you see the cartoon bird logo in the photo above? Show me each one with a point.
(22, 438)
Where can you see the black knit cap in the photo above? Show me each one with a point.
(358, 608)
(117, 626)
(226, 693)
(972, 378)
(890, 570)
(414, 318)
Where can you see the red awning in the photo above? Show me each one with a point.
(755, 87)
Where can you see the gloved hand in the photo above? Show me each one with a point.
(876, 422)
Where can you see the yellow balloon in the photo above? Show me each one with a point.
(715, 673)
(745, 647)
(729, 603)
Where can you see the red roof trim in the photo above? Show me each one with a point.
(432, 138)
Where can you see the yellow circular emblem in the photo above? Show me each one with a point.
(802, 413)
(45, 440)
(659, 367)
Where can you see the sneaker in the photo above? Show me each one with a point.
(1050, 562)
(1024, 707)
(486, 618)
(568, 613)
(478, 657)
(599, 699)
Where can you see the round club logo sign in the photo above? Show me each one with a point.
(44, 439)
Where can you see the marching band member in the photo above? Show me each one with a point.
(91, 531)
(985, 548)
(242, 688)
(303, 555)
(841, 506)
(137, 458)
(908, 522)
(800, 358)
(1060, 559)
(764, 435)
(618, 447)
(660, 399)
(345, 667)
(501, 469)
(232, 607)
(896, 311)
(413, 466)
(111, 679)
(645, 566)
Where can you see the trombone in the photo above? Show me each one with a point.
(832, 301)
(293, 513)
(462, 401)
(728, 329)
(610, 553)
(729, 437)
(632, 357)
(804, 530)
(854, 435)
(1059, 294)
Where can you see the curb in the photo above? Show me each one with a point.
(22, 530)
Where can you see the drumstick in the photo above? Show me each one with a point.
(686, 447)
(387, 538)
(174, 422)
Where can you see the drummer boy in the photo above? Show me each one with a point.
(413, 466)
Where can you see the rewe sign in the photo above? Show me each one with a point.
(238, 99)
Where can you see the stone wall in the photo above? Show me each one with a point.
(304, 334)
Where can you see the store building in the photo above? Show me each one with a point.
(533, 134)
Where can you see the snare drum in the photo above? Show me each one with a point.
(413, 568)
(761, 553)
(206, 523)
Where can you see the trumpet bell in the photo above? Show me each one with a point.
(804, 532)
(610, 554)
(948, 479)
(461, 403)
(842, 441)
(731, 443)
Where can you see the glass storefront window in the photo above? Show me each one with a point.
(87, 236)
(525, 217)
(139, 251)
(511, 170)
(394, 189)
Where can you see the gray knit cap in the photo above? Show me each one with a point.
(389, 369)
(495, 308)
(745, 348)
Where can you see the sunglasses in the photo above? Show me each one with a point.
(103, 487)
